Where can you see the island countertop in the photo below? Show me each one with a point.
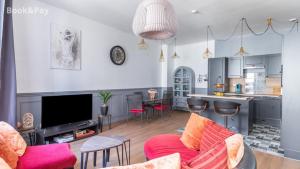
(222, 97)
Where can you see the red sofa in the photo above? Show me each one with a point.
(51, 156)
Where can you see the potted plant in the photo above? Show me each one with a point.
(105, 97)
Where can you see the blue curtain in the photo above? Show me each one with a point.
(7, 67)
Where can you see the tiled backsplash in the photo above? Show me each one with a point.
(273, 85)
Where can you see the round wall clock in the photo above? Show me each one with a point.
(117, 55)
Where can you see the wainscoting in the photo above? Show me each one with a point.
(31, 102)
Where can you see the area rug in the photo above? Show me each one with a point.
(263, 138)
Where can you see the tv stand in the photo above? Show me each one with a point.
(46, 136)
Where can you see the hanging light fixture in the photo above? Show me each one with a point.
(161, 57)
(155, 19)
(242, 51)
(175, 56)
(142, 44)
(207, 54)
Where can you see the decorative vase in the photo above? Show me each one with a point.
(104, 110)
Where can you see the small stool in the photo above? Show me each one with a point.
(127, 154)
(101, 119)
(226, 109)
(197, 105)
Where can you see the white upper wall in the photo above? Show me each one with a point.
(269, 43)
(32, 50)
(191, 56)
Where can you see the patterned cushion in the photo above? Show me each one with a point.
(15, 140)
(4, 165)
(7, 153)
(235, 149)
(192, 134)
(167, 162)
(215, 158)
(213, 134)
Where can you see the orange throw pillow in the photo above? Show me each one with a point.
(8, 154)
(4, 165)
(15, 140)
(194, 128)
(235, 150)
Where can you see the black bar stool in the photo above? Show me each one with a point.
(197, 105)
(226, 109)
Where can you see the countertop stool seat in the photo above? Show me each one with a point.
(99, 143)
(197, 105)
(226, 109)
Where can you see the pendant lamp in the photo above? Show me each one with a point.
(207, 54)
(155, 19)
(242, 52)
(175, 56)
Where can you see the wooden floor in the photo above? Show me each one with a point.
(139, 132)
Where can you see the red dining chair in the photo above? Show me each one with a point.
(135, 106)
(165, 104)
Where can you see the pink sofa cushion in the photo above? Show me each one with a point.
(52, 156)
(166, 144)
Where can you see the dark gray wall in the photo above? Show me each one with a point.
(31, 102)
(290, 134)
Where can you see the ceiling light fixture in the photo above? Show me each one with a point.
(161, 56)
(155, 19)
(242, 52)
(142, 44)
(195, 11)
(207, 54)
(175, 56)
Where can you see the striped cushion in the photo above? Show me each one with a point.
(213, 134)
(215, 158)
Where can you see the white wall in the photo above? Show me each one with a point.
(191, 56)
(269, 43)
(32, 49)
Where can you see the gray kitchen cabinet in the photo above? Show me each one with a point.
(268, 111)
(273, 65)
(235, 67)
(255, 61)
(217, 69)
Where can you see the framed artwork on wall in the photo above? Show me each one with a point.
(65, 47)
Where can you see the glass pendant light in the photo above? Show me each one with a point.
(161, 57)
(207, 54)
(175, 56)
(242, 52)
(142, 44)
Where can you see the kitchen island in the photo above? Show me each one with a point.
(242, 122)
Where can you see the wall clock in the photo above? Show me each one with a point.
(117, 55)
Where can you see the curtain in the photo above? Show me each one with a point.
(8, 69)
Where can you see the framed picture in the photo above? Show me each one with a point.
(65, 47)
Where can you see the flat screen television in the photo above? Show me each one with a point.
(66, 109)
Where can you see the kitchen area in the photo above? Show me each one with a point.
(254, 82)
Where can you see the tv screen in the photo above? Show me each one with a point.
(59, 110)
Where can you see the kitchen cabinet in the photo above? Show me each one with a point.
(268, 111)
(217, 69)
(273, 65)
(255, 61)
(235, 67)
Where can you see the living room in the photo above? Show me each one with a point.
(92, 82)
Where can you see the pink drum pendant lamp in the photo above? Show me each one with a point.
(155, 19)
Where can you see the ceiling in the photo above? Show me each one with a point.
(222, 15)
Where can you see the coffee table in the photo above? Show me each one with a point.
(99, 143)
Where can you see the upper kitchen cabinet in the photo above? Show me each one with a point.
(258, 61)
(274, 68)
(235, 67)
(217, 70)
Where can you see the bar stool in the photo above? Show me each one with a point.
(226, 109)
(197, 105)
